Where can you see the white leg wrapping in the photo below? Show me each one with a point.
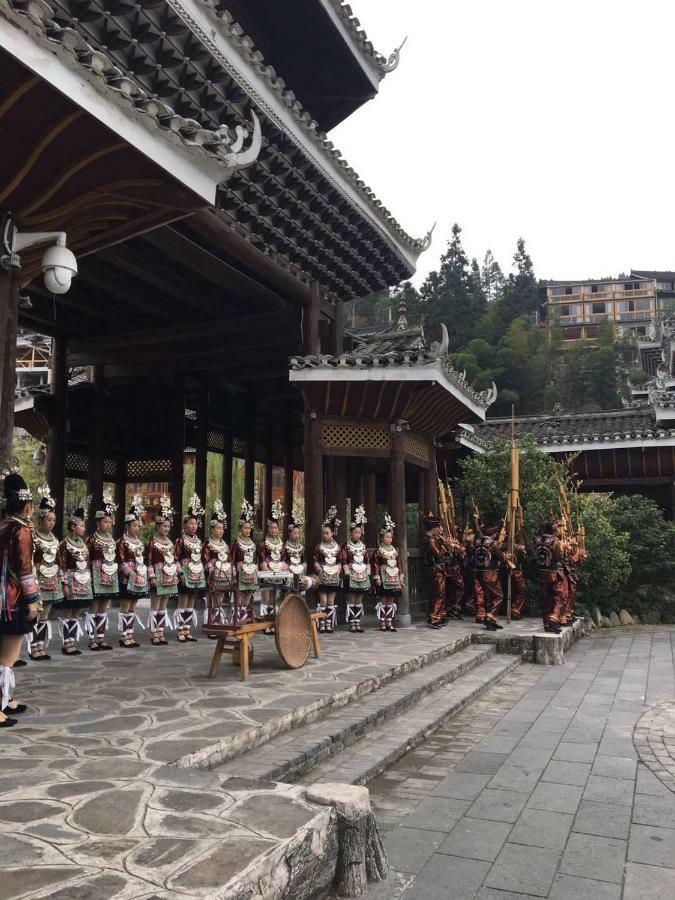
(177, 618)
(121, 623)
(7, 683)
(332, 615)
(189, 618)
(380, 611)
(90, 624)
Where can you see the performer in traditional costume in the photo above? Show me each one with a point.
(163, 571)
(388, 576)
(275, 575)
(472, 595)
(245, 562)
(133, 571)
(105, 575)
(517, 576)
(356, 571)
(434, 564)
(45, 560)
(18, 588)
(218, 567)
(489, 556)
(294, 555)
(549, 549)
(454, 579)
(572, 557)
(328, 568)
(76, 579)
(193, 580)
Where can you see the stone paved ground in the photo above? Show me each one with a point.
(538, 791)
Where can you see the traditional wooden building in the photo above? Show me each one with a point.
(181, 146)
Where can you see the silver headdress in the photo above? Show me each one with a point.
(276, 513)
(136, 510)
(295, 521)
(47, 503)
(246, 514)
(79, 514)
(109, 506)
(331, 519)
(389, 524)
(218, 513)
(195, 509)
(359, 519)
(15, 487)
(166, 510)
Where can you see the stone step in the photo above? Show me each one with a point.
(378, 750)
(283, 725)
(288, 757)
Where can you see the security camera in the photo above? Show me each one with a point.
(58, 264)
(58, 267)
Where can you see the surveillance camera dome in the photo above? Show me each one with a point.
(58, 268)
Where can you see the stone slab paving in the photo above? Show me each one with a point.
(538, 788)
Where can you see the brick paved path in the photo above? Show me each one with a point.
(537, 790)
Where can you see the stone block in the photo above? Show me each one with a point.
(625, 617)
(614, 620)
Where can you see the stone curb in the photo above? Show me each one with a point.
(256, 736)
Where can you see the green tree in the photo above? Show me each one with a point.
(651, 544)
(491, 276)
(605, 572)
(520, 294)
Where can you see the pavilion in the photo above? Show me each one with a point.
(181, 145)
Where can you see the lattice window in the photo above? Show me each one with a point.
(140, 469)
(110, 468)
(77, 463)
(239, 447)
(357, 436)
(416, 448)
(216, 441)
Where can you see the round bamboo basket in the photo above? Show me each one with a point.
(293, 631)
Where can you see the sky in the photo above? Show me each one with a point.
(534, 118)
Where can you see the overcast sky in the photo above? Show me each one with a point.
(537, 118)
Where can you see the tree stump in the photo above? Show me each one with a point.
(361, 855)
(548, 650)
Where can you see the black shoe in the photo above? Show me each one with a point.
(553, 629)
(19, 664)
(435, 625)
(73, 652)
(14, 710)
(493, 626)
(7, 723)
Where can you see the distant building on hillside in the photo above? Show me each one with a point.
(633, 302)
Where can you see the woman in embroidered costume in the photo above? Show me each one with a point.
(76, 579)
(275, 576)
(104, 572)
(45, 560)
(193, 580)
(18, 588)
(163, 571)
(135, 582)
(356, 569)
(388, 576)
(294, 554)
(218, 567)
(245, 562)
(328, 568)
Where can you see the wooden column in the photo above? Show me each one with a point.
(312, 338)
(370, 503)
(267, 488)
(336, 489)
(313, 478)
(120, 495)
(56, 439)
(9, 299)
(201, 438)
(178, 449)
(288, 472)
(227, 485)
(249, 471)
(398, 514)
(338, 330)
(431, 492)
(96, 449)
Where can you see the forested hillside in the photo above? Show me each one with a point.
(492, 321)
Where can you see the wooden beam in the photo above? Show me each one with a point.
(96, 448)
(431, 491)
(337, 332)
(201, 439)
(288, 463)
(314, 501)
(312, 337)
(178, 448)
(227, 484)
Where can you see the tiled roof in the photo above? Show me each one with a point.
(648, 273)
(222, 145)
(397, 347)
(581, 428)
(384, 64)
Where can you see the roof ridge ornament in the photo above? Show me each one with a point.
(439, 349)
(394, 57)
(425, 242)
(402, 323)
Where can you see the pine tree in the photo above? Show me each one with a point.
(520, 295)
(492, 277)
(453, 295)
